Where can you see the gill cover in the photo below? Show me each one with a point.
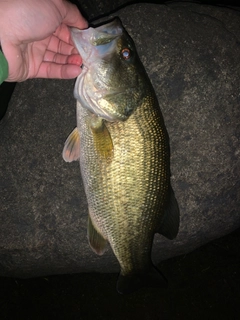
(108, 84)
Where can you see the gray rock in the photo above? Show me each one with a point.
(191, 54)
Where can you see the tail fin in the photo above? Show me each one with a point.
(130, 283)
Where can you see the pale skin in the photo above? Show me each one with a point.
(35, 38)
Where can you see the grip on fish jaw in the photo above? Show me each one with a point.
(99, 36)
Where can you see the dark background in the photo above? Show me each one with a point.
(204, 284)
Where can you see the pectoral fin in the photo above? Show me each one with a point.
(102, 138)
(71, 150)
(96, 240)
(170, 223)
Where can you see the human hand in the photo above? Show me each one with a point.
(36, 40)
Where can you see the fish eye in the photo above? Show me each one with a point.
(126, 54)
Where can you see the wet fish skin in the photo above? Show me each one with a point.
(124, 155)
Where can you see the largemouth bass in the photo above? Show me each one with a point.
(122, 144)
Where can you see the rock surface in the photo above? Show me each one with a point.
(191, 54)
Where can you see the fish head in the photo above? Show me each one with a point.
(111, 83)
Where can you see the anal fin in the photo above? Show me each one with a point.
(170, 222)
(96, 240)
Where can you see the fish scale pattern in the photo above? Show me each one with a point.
(127, 194)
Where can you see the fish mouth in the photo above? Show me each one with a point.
(96, 42)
